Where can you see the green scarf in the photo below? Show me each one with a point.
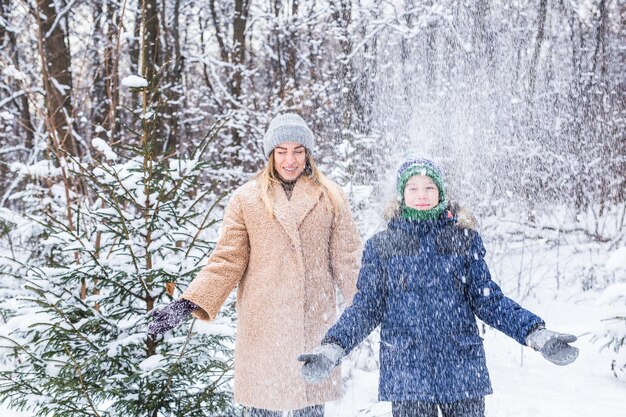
(416, 215)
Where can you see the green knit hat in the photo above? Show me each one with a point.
(425, 167)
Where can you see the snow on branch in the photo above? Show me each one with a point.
(60, 15)
(134, 81)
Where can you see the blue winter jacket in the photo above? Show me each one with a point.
(424, 282)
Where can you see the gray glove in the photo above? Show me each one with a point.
(319, 363)
(170, 316)
(553, 346)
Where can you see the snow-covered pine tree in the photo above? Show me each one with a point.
(611, 333)
(74, 342)
(613, 337)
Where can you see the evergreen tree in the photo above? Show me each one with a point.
(75, 341)
(610, 334)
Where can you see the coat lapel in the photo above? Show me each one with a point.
(291, 213)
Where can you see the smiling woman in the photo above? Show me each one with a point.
(288, 242)
(289, 160)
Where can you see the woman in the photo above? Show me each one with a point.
(288, 240)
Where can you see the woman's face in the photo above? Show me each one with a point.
(421, 193)
(289, 160)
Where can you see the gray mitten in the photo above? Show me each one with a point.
(319, 363)
(553, 346)
(170, 316)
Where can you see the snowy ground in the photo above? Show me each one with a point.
(525, 384)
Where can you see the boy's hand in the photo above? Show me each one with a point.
(320, 362)
(169, 316)
(553, 346)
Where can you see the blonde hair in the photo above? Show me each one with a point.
(333, 196)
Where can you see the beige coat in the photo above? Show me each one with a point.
(286, 268)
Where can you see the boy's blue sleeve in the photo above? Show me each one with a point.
(490, 304)
(366, 311)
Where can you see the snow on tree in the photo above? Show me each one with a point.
(92, 268)
(611, 334)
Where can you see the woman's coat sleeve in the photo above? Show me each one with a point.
(345, 253)
(225, 267)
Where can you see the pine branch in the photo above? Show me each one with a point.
(208, 138)
(202, 224)
(24, 349)
(61, 314)
(168, 384)
(80, 379)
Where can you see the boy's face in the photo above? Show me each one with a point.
(421, 193)
(289, 160)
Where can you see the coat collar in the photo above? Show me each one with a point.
(420, 227)
(290, 213)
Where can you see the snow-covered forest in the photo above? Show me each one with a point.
(126, 124)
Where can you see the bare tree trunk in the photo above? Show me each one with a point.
(9, 43)
(405, 55)
(173, 89)
(431, 57)
(57, 77)
(4, 11)
(234, 54)
(238, 56)
(342, 15)
(483, 41)
(105, 57)
(242, 8)
(151, 46)
(620, 105)
(364, 101)
(99, 96)
(111, 65)
(278, 52)
(313, 55)
(534, 62)
(292, 55)
(134, 45)
(532, 140)
(152, 70)
(219, 34)
(599, 69)
(576, 103)
(284, 41)
(203, 24)
(599, 55)
(24, 132)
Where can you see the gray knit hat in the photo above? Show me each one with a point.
(288, 127)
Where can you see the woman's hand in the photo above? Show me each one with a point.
(170, 316)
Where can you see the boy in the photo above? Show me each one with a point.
(423, 280)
